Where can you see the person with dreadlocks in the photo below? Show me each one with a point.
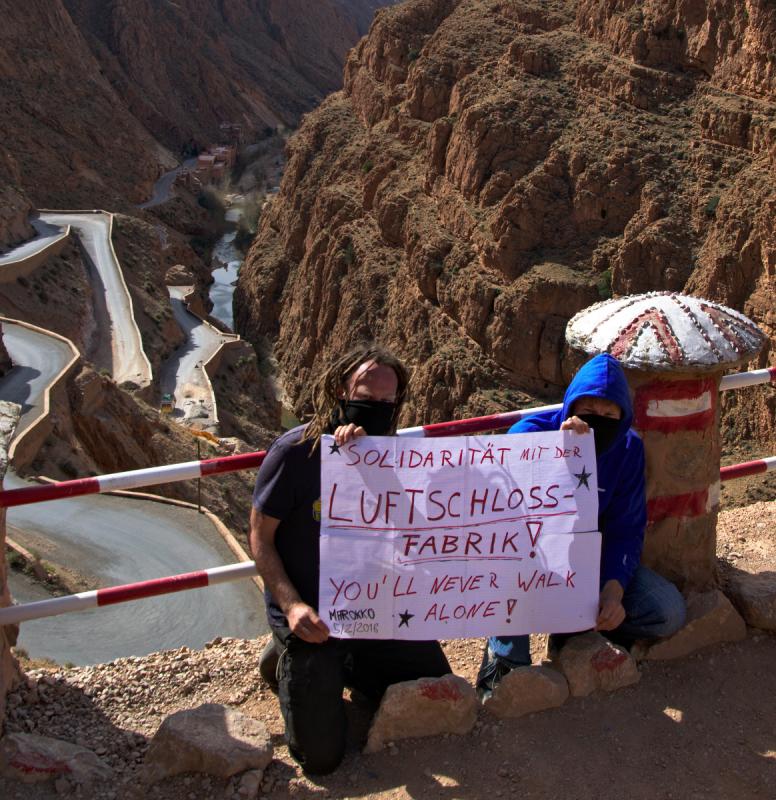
(359, 394)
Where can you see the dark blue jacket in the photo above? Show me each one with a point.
(622, 508)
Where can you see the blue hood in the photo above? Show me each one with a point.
(622, 508)
(602, 376)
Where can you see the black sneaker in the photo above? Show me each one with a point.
(492, 670)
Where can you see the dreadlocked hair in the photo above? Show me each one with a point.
(328, 387)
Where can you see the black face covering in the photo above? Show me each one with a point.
(604, 429)
(374, 416)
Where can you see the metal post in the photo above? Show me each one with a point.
(199, 483)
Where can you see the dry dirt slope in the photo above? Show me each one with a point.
(493, 166)
(700, 728)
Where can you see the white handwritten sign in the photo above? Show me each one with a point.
(459, 537)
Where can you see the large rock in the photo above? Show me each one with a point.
(592, 662)
(425, 707)
(30, 758)
(214, 739)
(711, 619)
(755, 598)
(250, 783)
(526, 690)
(179, 275)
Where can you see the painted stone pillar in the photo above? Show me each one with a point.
(675, 350)
(678, 419)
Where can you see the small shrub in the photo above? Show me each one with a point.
(711, 206)
(69, 469)
(367, 167)
(413, 54)
(604, 285)
(349, 253)
(212, 200)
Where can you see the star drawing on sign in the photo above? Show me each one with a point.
(582, 477)
(334, 448)
(405, 618)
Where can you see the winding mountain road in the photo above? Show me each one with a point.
(115, 540)
(227, 261)
(163, 186)
(47, 234)
(118, 540)
(183, 374)
(38, 358)
(129, 361)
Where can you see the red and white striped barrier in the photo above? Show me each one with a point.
(743, 379)
(12, 615)
(151, 476)
(155, 476)
(462, 427)
(748, 468)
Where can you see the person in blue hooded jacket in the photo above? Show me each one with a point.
(635, 602)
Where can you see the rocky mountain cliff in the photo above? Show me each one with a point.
(182, 69)
(65, 138)
(96, 96)
(493, 166)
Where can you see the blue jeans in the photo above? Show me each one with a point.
(654, 608)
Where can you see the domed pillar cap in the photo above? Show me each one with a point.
(666, 332)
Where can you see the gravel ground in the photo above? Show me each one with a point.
(699, 727)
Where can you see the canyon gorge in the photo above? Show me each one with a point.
(492, 167)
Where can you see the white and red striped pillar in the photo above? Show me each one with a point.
(678, 419)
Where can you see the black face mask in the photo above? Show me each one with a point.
(604, 429)
(374, 416)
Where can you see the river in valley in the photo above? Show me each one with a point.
(225, 264)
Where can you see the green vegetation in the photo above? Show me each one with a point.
(69, 469)
(212, 199)
(367, 166)
(413, 54)
(711, 206)
(349, 253)
(248, 224)
(244, 361)
(604, 285)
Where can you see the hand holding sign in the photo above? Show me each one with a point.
(467, 536)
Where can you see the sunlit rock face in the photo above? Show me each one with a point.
(491, 169)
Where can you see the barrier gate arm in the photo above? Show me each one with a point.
(155, 476)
